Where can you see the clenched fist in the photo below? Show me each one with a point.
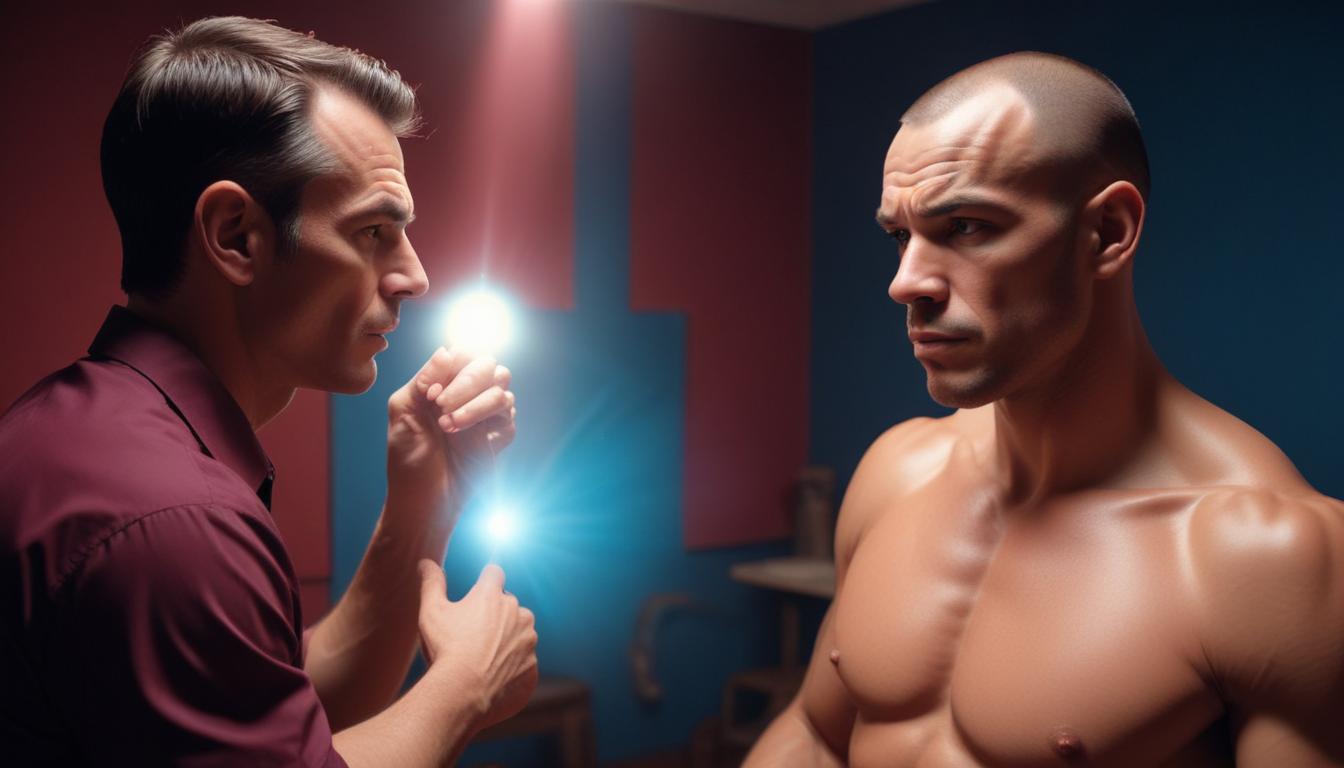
(485, 642)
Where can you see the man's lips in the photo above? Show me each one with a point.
(935, 347)
(933, 337)
(387, 330)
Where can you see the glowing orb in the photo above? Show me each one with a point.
(501, 525)
(480, 322)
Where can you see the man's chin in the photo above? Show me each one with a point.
(353, 382)
(967, 390)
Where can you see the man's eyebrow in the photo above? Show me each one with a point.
(954, 204)
(390, 209)
(951, 205)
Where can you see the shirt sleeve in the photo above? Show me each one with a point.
(182, 639)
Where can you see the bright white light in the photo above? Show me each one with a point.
(501, 525)
(480, 322)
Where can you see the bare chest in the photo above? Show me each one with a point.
(1057, 640)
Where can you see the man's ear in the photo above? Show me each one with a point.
(1115, 215)
(233, 230)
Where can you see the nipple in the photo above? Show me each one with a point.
(835, 656)
(1065, 743)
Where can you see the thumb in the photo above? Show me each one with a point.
(433, 585)
(490, 580)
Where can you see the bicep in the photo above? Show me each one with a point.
(181, 632)
(1269, 741)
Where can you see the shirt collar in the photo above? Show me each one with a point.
(198, 397)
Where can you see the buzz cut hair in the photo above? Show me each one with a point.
(1083, 120)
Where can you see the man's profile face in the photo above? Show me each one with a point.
(990, 266)
(318, 316)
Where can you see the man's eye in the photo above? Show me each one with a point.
(966, 226)
(374, 232)
(901, 236)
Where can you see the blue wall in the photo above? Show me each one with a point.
(1237, 277)
(597, 467)
(1240, 268)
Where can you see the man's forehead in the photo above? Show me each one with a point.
(994, 122)
(986, 139)
(352, 132)
(369, 165)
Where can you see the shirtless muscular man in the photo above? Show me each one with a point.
(1087, 564)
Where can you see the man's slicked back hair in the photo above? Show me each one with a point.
(1083, 120)
(225, 99)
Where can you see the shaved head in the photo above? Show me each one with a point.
(1084, 128)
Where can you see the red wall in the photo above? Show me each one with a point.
(719, 209)
(60, 267)
(720, 228)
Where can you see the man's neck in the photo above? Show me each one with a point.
(211, 334)
(1087, 423)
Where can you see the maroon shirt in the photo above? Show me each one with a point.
(149, 613)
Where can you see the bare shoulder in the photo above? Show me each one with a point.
(1269, 572)
(899, 460)
(1208, 446)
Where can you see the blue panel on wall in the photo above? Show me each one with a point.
(595, 474)
(1239, 269)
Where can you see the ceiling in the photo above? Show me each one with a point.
(799, 14)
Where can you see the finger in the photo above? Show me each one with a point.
(503, 377)
(470, 381)
(491, 579)
(493, 401)
(528, 618)
(502, 419)
(501, 438)
(441, 367)
(433, 585)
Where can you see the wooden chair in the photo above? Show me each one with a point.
(560, 706)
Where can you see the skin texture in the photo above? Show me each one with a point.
(1087, 564)
(267, 324)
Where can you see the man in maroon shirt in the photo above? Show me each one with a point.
(148, 609)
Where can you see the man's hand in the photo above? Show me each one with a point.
(445, 425)
(485, 642)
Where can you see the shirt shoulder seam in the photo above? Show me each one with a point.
(77, 560)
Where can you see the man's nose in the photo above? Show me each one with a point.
(406, 279)
(919, 278)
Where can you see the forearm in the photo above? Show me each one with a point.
(791, 742)
(359, 654)
(429, 726)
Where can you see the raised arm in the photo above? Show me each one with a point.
(443, 427)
